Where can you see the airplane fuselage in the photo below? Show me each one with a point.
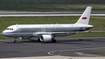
(35, 30)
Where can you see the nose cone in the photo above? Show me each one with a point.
(5, 33)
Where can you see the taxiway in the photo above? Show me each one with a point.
(69, 46)
(9, 14)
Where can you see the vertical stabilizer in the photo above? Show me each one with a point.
(84, 19)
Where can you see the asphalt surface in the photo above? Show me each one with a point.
(23, 13)
(69, 46)
(50, 14)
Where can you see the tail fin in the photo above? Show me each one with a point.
(84, 19)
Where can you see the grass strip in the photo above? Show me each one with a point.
(7, 21)
(101, 52)
(52, 5)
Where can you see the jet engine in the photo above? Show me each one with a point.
(46, 38)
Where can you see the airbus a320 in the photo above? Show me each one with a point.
(48, 32)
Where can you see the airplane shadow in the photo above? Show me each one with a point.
(24, 41)
(79, 41)
(76, 41)
(63, 41)
(29, 41)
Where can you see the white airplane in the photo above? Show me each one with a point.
(47, 32)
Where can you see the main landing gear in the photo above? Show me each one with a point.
(15, 41)
(53, 40)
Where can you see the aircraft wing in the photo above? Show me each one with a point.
(54, 33)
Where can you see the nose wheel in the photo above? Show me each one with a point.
(53, 40)
(15, 41)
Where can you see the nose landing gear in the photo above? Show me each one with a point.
(15, 41)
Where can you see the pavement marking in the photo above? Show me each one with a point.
(6, 41)
(30, 43)
(85, 54)
(27, 43)
(9, 41)
(51, 52)
(3, 40)
(55, 57)
(20, 42)
(24, 43)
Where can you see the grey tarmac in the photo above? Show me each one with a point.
(65, 46)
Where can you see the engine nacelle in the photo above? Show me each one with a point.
(46, 38)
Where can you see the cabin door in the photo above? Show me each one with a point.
(18, 30)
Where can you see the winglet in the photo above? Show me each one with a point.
(84, 19)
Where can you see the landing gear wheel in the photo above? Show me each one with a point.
(39, 40)
(15, 41)
(53, 41)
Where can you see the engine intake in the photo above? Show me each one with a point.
(46, 38)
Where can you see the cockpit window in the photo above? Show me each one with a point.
(9, 29)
